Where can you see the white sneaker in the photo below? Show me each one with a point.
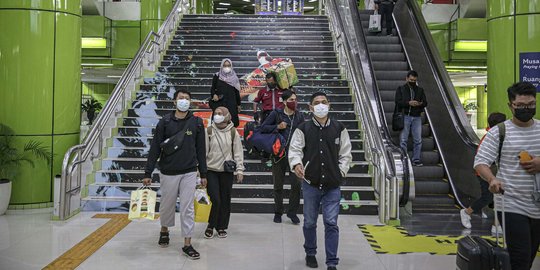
(494, 230)
(465, 219)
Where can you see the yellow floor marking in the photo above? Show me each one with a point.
(89, 245)
(396, 240)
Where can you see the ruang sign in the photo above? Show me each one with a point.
(529, 68)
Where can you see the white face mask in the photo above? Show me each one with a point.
(227, 69)
(182, 105)
(218, 119)
(321, 110)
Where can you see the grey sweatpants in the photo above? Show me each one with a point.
(172, 187)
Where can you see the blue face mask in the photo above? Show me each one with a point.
(182, 105)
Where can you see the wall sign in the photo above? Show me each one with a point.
(529, 68)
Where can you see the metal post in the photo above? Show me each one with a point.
(320, 6)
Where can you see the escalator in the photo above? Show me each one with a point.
(446, 181)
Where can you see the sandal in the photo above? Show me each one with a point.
(222, 234)
(191, 253)
(163, 239)
(209, 233)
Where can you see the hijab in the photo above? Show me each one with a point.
(227, 115)
(230, 78)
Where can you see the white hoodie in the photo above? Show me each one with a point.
(218, 149)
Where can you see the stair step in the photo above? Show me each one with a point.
(208, 81)
(243, 70)
(205, 88)
(248, 37)
(246, 105)
(208, 42)
(262, 28)
(238, 53)
(252, 64)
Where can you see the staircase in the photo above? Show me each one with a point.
(390, 66)
(194, 55)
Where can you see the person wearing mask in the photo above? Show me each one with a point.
(385, 8)
(225, 90)
(486, 197)
(179, 143)
(517, 178)
(270, 97)
(320, 155)
(411, 100)
(225, 158)
(285, 121)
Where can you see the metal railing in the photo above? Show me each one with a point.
(390, 166)
(146, 59)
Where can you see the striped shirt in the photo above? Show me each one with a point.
(517, 183)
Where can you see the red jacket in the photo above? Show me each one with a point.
(270, 99)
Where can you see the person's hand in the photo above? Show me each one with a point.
(282, 125)
(413, 103)
(531, 166)
(496, 186)
(215, 97)
(299, 171)
(239, 178)
(147, 181)
(204, 182)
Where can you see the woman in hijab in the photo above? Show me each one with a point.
(224, 158)
(226, 90)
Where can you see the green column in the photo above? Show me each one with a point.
(513, 28)
(153, 14)
(204, 7)
(481, 100)
(40, 59)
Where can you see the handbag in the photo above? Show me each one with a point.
(398, 119)
(173, 143)
(142, 204)
(375, 23)
(229, 165)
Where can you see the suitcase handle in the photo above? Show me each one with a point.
(503, 225)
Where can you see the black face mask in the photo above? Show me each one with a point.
(524, 114)
(412, 84)
(271, 85)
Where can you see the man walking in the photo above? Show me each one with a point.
(320, 154)
(270, 97)
(518, 174)
(411, 100)
(385, 8)
(179, 143)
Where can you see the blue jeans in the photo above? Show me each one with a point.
(413, 124)
(329, 199)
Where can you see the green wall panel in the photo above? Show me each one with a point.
(481, 100)
(530, 6)
(32, 184)
(147, 26)
(125, 39)
(472, 29)
(500, 63)
(93, 26)
(26, 70)
(498, 8)
(67, 91)
(155, 9)
(61, 144)
(69, 6)
(28, 4)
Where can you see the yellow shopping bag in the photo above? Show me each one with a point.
(202, 206)
(142, 204)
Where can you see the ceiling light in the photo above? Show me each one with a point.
(82, 73)
(309, 7)
(93, 43)
(479, 77)
(224, 4)
(97, 65)
(470, 46)
(220, 8)
(311, 1)
(247, 1)
(114, 76)
(279, 3)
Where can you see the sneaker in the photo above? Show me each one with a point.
(277, 218)
(294, 218)
(331, 268)
(494, 230)
(191, 253)
(465, 219)
(417, 164)
(311, 262)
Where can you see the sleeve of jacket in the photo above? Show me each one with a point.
(269, 125)
(345, 155)
(201, 148)
(260, 94)
(238, 153)
(238, 99)
(296, 148)
(155, 149)
(214, 85)
(424, 99)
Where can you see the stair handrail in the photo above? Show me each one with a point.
(146, 57)
(389, 167)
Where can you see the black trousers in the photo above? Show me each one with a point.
(219, 189)
(280, 166)
(485, 199)
(522, 238)
(386, 16)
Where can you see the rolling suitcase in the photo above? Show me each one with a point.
(476, 253)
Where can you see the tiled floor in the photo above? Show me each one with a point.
(31, 241)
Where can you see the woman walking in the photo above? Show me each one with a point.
(225, 159)
(225, 90)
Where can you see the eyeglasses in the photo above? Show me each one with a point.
(524, 106)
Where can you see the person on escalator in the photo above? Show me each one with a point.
(411, 100)
(385, 8)
(487, 197)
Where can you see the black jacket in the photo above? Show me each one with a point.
(189, 157)
(404, 95)
(272, 121)
(385, 2)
